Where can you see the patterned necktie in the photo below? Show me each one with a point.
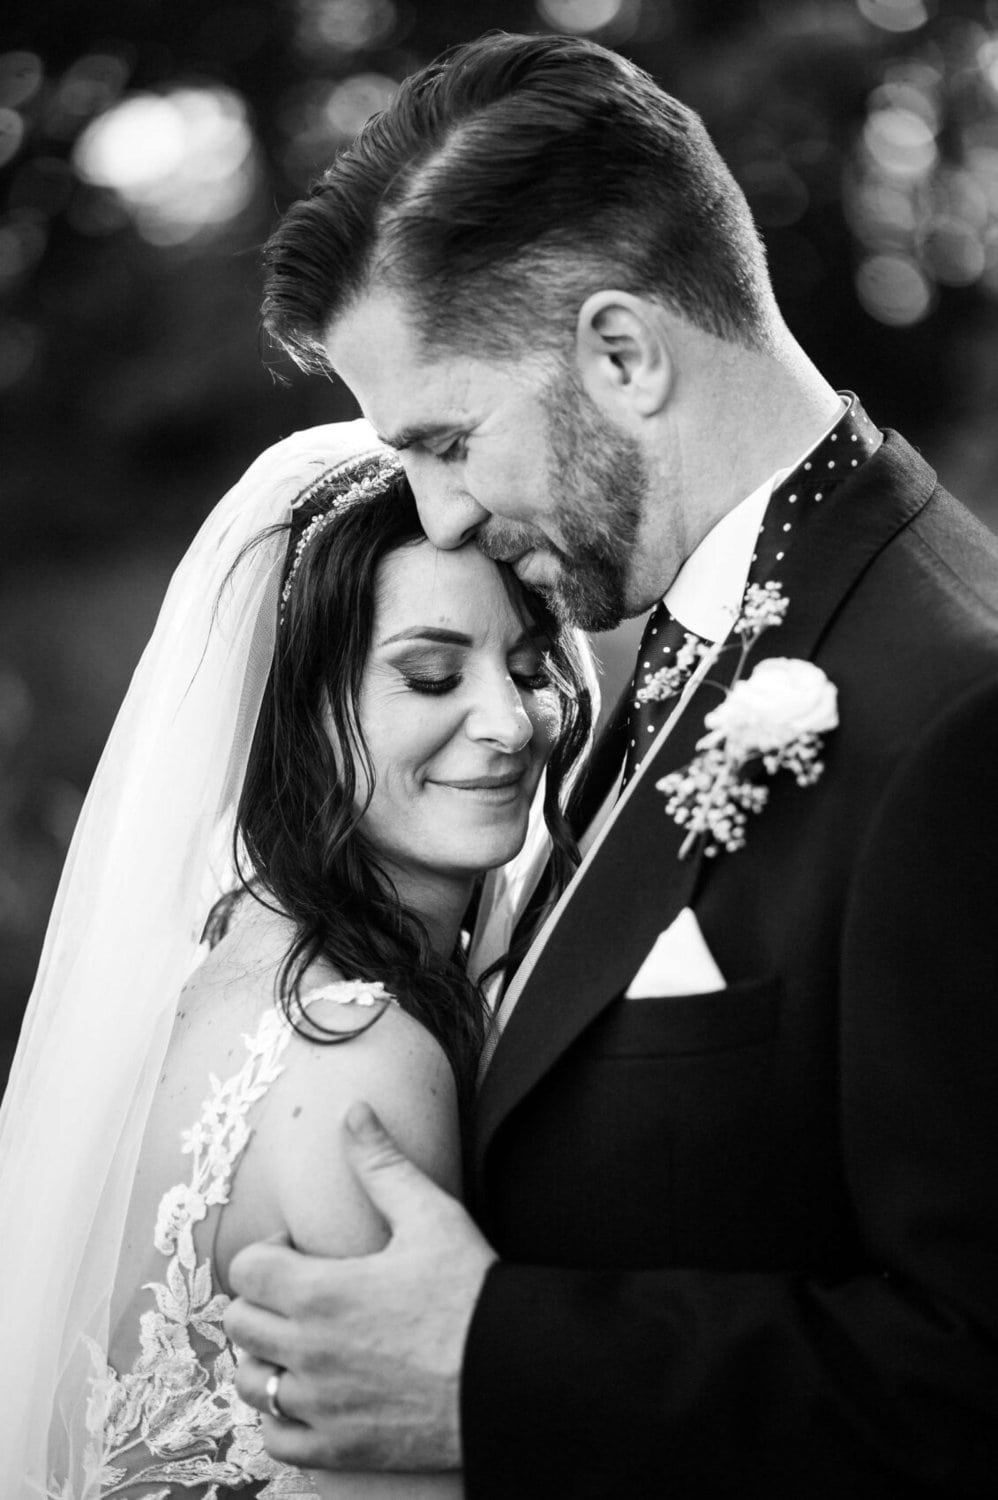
(668, 651)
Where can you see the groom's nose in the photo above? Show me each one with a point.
(450, 516)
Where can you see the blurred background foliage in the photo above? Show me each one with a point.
(146, 148)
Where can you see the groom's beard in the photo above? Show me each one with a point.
(598, 481)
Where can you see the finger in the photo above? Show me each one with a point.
(255, 1331)
(349, 1446)
(269, 1275)
(398, 1189)
(292, 1443)
(252, 1377)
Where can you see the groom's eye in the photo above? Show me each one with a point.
(454, 451)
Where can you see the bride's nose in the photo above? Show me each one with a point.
(498, 715)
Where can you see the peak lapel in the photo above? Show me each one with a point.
(609, 923)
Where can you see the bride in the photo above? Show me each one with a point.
(334, 731)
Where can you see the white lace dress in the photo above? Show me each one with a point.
(173, 1423)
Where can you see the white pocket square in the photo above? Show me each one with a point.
(680, 963)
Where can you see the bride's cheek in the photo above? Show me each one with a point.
(545, 715)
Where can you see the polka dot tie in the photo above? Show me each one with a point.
(668, 651)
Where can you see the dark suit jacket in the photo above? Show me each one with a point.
(750, 1239)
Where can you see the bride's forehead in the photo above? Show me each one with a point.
(441, 587)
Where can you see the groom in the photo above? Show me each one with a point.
(735, 1157)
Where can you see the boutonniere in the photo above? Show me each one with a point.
(774, 718)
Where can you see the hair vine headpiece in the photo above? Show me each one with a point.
(368, 488)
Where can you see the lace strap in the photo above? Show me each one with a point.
(362, 992)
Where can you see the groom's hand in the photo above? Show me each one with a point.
(370, 1347)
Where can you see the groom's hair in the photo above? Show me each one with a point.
(504, 183)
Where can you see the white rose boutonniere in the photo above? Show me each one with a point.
(776, 716)
(781, 701)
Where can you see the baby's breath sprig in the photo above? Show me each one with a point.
(775, 717)
(709, 799)
(668, 681)
(763, 606)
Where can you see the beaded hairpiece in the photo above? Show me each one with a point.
(368, 488)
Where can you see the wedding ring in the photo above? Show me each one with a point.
(270, 1391)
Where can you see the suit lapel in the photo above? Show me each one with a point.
(636, 883)
(574, 978)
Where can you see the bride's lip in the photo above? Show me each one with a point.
(484, 783)
(506, 789)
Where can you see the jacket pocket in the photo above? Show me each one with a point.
(743, 1015)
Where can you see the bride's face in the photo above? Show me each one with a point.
(458, 715)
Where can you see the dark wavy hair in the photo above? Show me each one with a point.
(503, 184)
(299, 830)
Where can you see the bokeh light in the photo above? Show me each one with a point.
(352, 103)
(901, 142)
(182, 162)
(344, 26)
(11, 134)
(894, 289)
(318, 119)
(19, 347)
(21, 74)
(91, 85)
(894, 15)
(23, 238)
(922, 193)
(585, 16)
(952, 250)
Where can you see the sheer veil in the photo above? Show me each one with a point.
(122, 939)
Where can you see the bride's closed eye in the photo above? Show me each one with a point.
(529, 670)
(532, 680)
(432, 685)
(529, 682)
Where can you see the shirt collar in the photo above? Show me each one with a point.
(706, 594)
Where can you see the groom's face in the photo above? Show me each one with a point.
(511, 453)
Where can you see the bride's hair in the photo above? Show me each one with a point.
(299, 834)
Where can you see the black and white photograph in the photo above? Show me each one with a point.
(499, 750)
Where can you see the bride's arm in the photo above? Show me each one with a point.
(294, 1176)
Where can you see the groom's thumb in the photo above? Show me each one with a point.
(397, 1188)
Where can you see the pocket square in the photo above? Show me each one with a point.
(680, 963)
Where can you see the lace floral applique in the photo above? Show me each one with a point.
(180, 1406)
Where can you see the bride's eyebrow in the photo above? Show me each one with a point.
(429, 633)
(441, 637)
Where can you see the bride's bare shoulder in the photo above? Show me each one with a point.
(355, 1042)
(384, 1057)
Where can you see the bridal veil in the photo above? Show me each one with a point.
(148, 857)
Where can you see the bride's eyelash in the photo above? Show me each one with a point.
(531, 682)
(432, 685)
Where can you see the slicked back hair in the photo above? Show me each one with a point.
(506, 182)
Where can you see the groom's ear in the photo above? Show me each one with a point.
(623, 354)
